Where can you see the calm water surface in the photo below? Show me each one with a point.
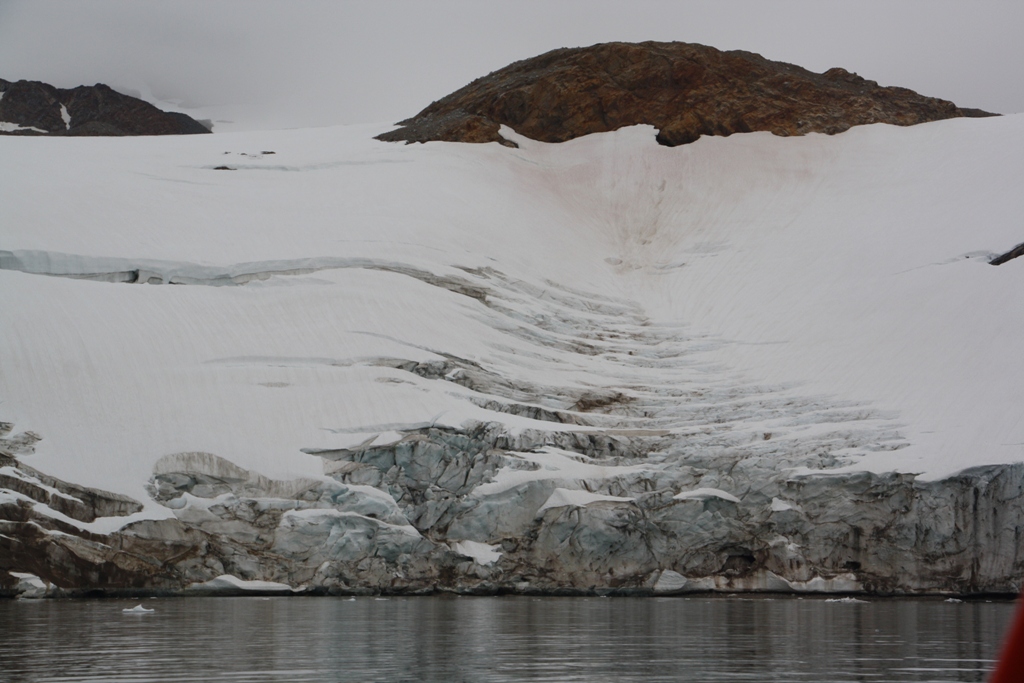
(452, 640)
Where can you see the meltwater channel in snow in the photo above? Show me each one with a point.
(652, 356)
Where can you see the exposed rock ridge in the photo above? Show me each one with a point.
(1016, 252)
(685, 90)
(35, 108)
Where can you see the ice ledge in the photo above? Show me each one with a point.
(576, 498)
(705, 494)
(228, 584)
(669, 582)
(481, 553)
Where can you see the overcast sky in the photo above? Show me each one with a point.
(309, 62)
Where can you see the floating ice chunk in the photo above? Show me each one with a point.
(138, 609)
(952, 600)
(704, 494)
(845, 600)
(481, 553)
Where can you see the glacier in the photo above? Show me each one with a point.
(598, 366)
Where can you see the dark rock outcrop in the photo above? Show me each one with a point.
(684, 90)
(36, 108)
(1016, 252)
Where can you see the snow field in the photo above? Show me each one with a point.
(797, 288)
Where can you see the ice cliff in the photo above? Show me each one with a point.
(746, 363)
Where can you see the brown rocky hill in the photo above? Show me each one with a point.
(34, 108)
(682, 89)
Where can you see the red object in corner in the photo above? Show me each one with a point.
(1010, 668)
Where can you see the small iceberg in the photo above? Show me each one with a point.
(138, 609)
(847, 600)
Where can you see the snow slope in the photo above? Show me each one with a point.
(832, 292)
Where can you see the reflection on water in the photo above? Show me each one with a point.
(450, 640)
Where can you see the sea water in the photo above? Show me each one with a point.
(466, 639)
